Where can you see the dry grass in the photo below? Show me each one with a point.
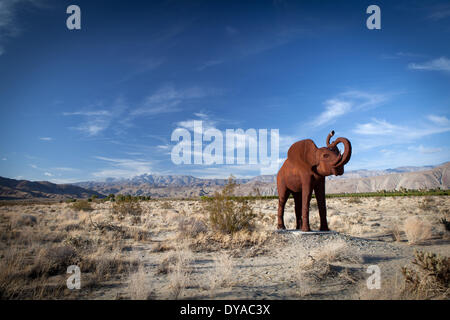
(222, 274)
(139, 287)
(321, 264)
(417, 230)
(39, 241)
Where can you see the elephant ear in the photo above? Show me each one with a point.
(303, 153)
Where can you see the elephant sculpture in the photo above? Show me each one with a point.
(305, 170)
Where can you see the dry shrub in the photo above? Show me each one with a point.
(430, 278)
(396, 233)
(82, 205)
(319, 264)
(166, 205)
(227, 214)
(25, 220)
(417, 230)
(354, 200)
(190, 227)
(138, 286)
(125, 208)
(222, 273)
(427, 204)
(177, 265)
(105, 264)
(53, 260)
(12, 265)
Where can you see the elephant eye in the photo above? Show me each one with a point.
(326, 155)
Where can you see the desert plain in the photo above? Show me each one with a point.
(168, 249)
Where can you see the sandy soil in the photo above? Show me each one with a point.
(170, 252)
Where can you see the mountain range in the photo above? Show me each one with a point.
(11, 189)
(179, 186)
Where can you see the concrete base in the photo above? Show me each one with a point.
(299, 232)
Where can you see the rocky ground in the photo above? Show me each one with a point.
(169, 250)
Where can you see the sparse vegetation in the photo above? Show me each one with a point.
(430, 278)
(229, 215)
(417, 230)
(177, 253)
(82, 205)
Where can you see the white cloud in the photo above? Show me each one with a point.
(9, 26)
(4, 159)
(167, 100)
(48, 174)
(96, 121)
(46, 138)
(346, 102)
(382, 133)
(439, 120)
(440, 64)
(333, 109)
(439, 12)
(423, 150)
(123, 168)
(209, 63)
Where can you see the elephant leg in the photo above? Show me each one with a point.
(319, 191)
(283, 196)
(306, 198)
(298, 209)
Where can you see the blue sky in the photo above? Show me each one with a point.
(103, 101)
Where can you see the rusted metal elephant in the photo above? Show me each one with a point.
(305, 170)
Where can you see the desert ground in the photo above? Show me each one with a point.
(169, 249)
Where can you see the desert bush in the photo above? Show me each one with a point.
(228, 214)
(124, 208)
(319, 264)
(430, 278)
(222, 273)
(82, 205)
(396, 233)
(166, 205)
(190, 227)
(25, 220)
(138, 287)
(354, 200)
(427, 204)
(416, 230)
(53, 260)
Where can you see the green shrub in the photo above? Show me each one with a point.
(229, 214)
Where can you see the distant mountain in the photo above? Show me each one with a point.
(352, 181)
(11, 189)
(179, 186)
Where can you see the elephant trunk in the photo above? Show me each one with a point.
(329, 137)
(347, 152)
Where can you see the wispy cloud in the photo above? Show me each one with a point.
(439, 120)
(96, 121)
(424, 150)
(382, 132)
(168, 99)
(45, 138)
(347, 102)
(439, 12)
(209, 63)
(439, 64)
(123, 168)
(9, 25)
